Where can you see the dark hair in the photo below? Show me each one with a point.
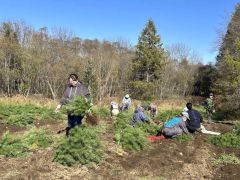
(73, 76)
(189, 105)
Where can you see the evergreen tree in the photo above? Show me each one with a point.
(204, 80)
(149, 60)
(90, 79)
(228, 65)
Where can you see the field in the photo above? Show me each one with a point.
(28, 148)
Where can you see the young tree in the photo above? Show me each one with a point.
(228, 60)
(90, 79)
(149, 61)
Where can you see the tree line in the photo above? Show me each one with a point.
(39, 61)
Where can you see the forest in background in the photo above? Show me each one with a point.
(39, 61)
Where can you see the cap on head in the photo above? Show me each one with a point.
(127, 96)
(211, 94)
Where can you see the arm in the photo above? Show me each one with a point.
(64, 100)
(200, 117)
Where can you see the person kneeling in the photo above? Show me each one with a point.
(139, 116)
(175, 126)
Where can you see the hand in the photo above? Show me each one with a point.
(58, 108)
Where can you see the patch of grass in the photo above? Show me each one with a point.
(22, 119)
(11, 146)
(38, 138)
(225, 159)
(14, 146)
(236, 129)
(183, 137)
(101, 112)
(149, 128)
(164, 115)
(24, 114)
(231, 139)
(81, 147)
(226, 140)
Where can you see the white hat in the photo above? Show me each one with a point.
(127, 96)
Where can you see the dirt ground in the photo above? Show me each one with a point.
(166, 159)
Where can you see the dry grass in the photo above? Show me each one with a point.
(34, 99)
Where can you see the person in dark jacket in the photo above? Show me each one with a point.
(74, 88)
(195, 119)
(139, 116)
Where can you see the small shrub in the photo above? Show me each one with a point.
(20, 119)
(79, 106)
(49, 114)
(24, 114)
(12, 146)
(226, 140)
(236, 129)
(149, 128)
(183, 137)
(132, 139)
(38, 138)
(123, 121)
(226, 159)
(82, 146)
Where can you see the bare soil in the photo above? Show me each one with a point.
(166, 159)
(10, 128)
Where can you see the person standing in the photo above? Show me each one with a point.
(210, 107)
(75, 88)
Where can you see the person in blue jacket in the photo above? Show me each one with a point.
(175, 126)
(139, 115)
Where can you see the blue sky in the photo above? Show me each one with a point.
(191, 22)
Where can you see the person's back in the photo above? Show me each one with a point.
(153, 110)
(195, 119)
(139, 116)
(174, 127)
(175, 120)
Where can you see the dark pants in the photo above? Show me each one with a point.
(72, 122)
(209, 114)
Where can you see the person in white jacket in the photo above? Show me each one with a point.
(126, 102)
